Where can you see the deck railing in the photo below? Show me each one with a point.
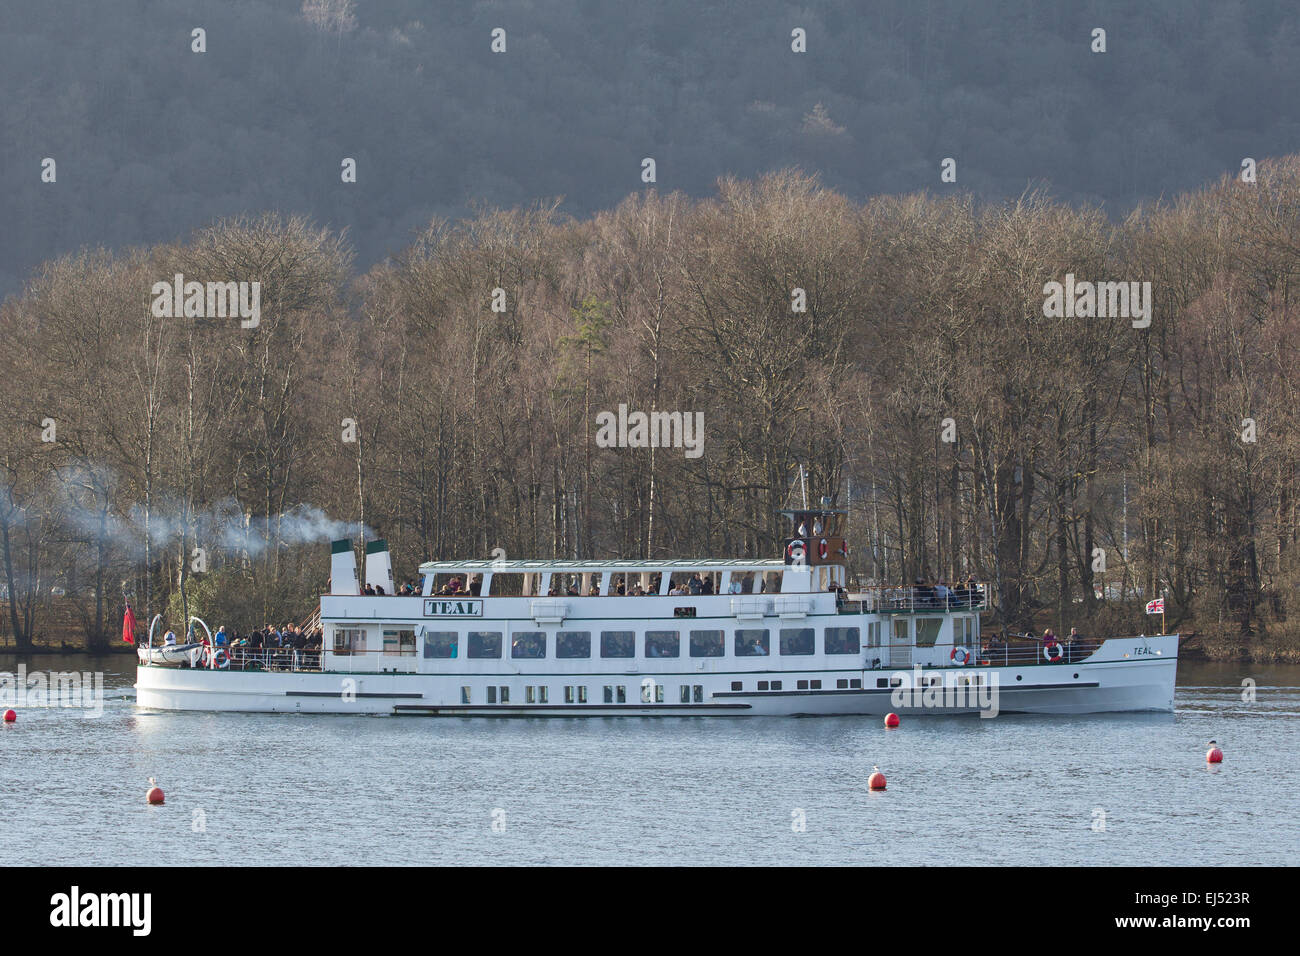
(1031, 652)
(909, 600)
(244, 658)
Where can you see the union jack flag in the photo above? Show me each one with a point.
(1156, 607)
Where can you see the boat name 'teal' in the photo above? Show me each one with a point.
(656, 638)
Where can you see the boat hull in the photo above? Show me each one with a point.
(1135, 674)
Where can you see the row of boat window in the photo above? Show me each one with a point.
(651, 691)
(578, 645)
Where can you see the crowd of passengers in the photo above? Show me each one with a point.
(921, 595)
(287, 636)
(696, 584)
(943, 595)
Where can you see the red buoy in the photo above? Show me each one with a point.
(891, 720)
(10, 716)
(1214, 754)
(877, 779)
(155, 794)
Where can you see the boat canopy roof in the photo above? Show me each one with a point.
(507, 567)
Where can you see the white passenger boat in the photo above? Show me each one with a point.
(761, 637)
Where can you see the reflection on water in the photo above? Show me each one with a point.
(280, 789)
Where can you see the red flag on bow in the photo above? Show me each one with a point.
(128, 626)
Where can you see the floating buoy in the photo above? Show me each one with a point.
(1214, 754)
(10, 716)
(891, 720)
(155, 794)
(877, 779)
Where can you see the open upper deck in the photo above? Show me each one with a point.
(597, 567)
(609, 578)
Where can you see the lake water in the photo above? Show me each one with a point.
(292, 789)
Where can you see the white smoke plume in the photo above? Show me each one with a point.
(225, 526)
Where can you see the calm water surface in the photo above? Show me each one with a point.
(293, 789)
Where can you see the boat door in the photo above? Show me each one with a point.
(900, 643)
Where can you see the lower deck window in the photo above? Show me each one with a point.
(438, 644)
(618, 644)
(843, 640)
(529, 645)
(752, 642)
(399, 643)
(573, 644)
(708, 644)
(927, 631)
(484, 645)
(348, 640)
(663, 644)
(796, 640)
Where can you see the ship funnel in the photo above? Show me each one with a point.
(343, 568)
(379, 566)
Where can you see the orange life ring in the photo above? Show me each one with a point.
(822, 549)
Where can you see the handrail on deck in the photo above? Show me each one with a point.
(919, 598)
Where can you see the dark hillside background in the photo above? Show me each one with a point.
(153, 141)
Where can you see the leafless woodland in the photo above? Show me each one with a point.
(129, 441)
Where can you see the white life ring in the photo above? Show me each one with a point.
(822, 549)
(959, 655)
(220, 659)
(794, 551)
(1047, 652)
